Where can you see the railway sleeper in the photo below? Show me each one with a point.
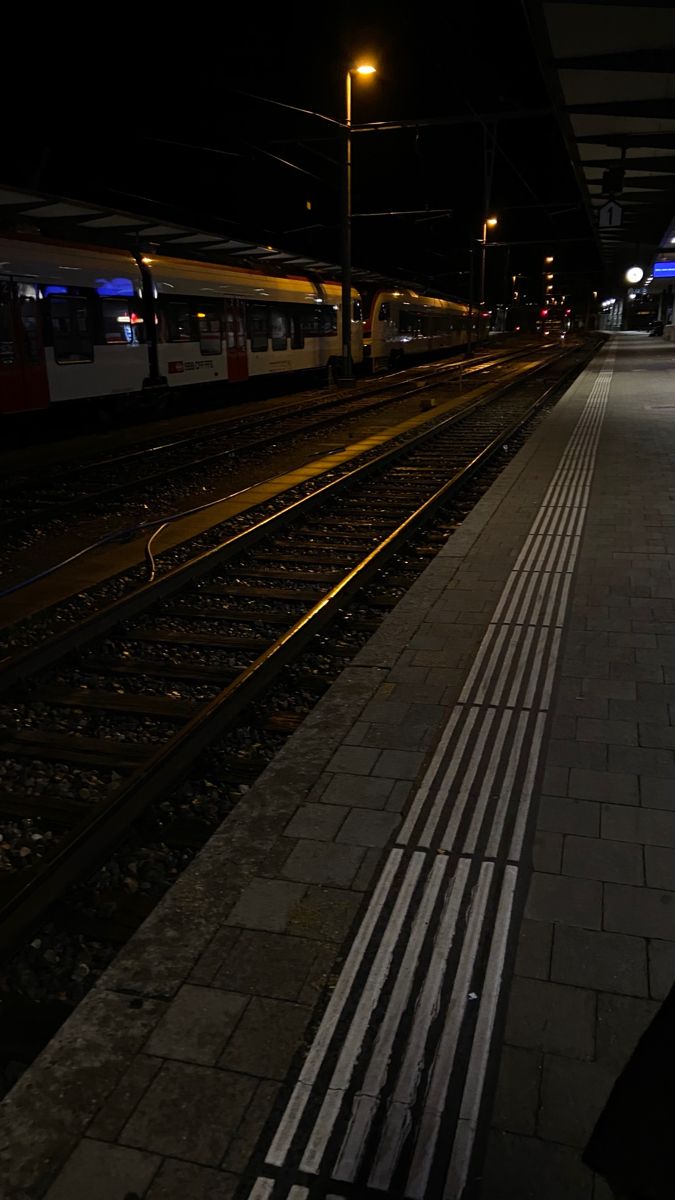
(84, 751)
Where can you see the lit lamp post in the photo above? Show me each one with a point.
(488, 223)
(347, 368)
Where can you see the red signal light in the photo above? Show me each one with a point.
(544, 312)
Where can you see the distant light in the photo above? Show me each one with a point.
(549, 258)
(365, 69)
(631, 295)
(672, 241)
(147, 261)
(634, 274)
(544, 312)
(491, 221)
(201, 316)
(55, 290)
(549, 277)
(308, 205)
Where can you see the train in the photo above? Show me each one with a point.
(402, 323)
(81, 323)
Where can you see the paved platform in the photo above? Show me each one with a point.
(414, 959)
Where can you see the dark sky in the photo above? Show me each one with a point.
(151, 120)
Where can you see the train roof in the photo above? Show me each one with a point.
(418, 300)
(65, 264)
(70, 221)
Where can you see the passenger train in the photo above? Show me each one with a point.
(404, 323)
(83, 323)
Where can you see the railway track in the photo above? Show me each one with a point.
(102, 483)
(152, 680)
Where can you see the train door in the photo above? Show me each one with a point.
(23, 374)
(235, 332)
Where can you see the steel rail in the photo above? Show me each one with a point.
(50, 509)
(26, 896)
(15, 668)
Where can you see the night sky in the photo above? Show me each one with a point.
(154, 122)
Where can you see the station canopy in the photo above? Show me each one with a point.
(610, 69)
(86, 224)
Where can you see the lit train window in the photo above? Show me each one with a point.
(278, 329)
(121, 326)
(27, 295)
(179, 321)
(71, 329)
(210, 333)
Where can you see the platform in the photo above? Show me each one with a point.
(415, 957)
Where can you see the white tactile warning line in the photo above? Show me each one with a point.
(473, 801)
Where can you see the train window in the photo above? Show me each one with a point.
(28, 310)
(122, 326)
(328, 320)
(179, 321)
(7, 347)
(71, 329)
(356, 312)
(210, 332)
(297, 330)
(257, 327)
(310, 320)
(278, 329)
(384, 313)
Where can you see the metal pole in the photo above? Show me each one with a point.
(482, 266)
(154, 376)
(469, 339)
(507, 291)
(347, 372)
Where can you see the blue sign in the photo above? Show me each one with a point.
(664, 270)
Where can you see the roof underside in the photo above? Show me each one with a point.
(611, 72)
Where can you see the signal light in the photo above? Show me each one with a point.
(544, 312)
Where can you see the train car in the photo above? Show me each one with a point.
(404, 323)
(82, 323)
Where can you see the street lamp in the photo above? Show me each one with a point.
(363, 69)
(488, 223)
